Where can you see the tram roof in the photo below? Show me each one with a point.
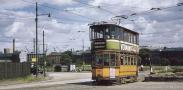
(128, 30)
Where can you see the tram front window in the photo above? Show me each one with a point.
(106, 59)
(98, 60)
(99, 32)
(113, 56)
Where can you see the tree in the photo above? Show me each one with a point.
(144, 54)
(66, 59)
(165, 62)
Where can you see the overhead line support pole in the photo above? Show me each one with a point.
(36, 39)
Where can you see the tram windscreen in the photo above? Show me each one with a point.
(105, 59)
(99, 32)
(112, 32)
(99, 60)
(113, 61)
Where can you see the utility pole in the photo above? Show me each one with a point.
(37, 36)
(83, 50)
(36, 40)
(34, 46)
(44, 57)
(83, 53)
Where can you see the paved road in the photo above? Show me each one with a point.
(131, 86)
(82, 81)
(56, 79)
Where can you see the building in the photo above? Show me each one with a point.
(54, 58)
(31, 57)
(8, 56)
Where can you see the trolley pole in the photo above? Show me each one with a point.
(36, 40)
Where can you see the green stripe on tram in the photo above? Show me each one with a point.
(112, 44)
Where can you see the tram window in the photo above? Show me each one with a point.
(106, 59)
(129, 37)
(112, 34)
(121, 34)
(113, 57)
(132, 60)
(125, 60)
(137, 38)
(134, 39)
(125, 36)
(117, 33)
(98, 60)
(91, 33)
(129, 60)
(135, 61)
(97, 32)
(117, 59)
(107, 33)
(122, 60)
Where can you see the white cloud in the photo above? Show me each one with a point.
(58, 2)
(60, 35)
(13, 4)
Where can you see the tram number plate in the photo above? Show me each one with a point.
(112, 72)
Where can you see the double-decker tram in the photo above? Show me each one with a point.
(115, 53)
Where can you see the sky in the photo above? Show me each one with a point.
(68, 25)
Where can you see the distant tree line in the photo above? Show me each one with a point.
(162, 58)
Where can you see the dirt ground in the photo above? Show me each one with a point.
(82, 81)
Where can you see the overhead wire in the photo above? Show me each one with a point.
(58, 10)
(98, 7)
(150, 11)
(126, 17)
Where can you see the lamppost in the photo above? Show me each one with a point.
(36, 19)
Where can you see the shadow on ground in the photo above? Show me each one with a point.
(92, 83)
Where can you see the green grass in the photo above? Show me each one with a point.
(29, 78)
(25, 79)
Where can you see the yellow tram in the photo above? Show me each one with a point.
(115, 53)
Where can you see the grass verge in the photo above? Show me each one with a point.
(19, 80)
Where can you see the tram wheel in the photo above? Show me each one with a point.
(123, 80)
(119, 81)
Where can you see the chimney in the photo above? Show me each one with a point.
(13, 45)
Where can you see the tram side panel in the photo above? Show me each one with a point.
(105, 73)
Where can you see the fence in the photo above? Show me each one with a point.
(159, 68)
(13, 70)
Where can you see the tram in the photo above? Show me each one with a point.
(115, 53)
